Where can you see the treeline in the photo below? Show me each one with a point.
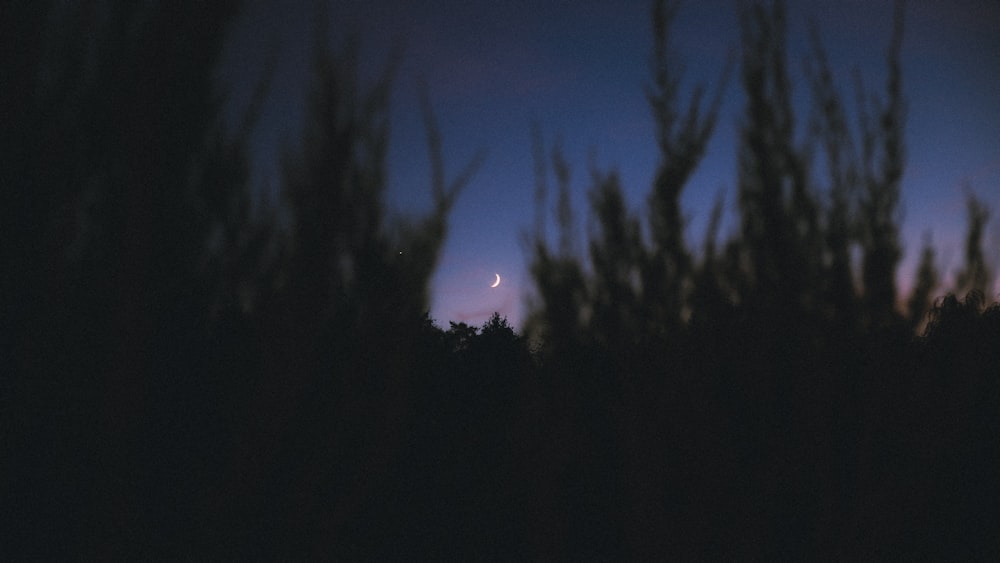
(187, 373)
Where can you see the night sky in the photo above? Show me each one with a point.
(578, 69)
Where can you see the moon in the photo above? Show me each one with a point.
(496, 283)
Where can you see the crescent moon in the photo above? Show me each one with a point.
(496, 283)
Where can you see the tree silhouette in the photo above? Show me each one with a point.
(637, 291)
(343, 317)
(681, 136)
(779, 213)
(616, 253)
(883, 154)
(562, 295)
(975, 276)
(926, 283)
(460, 336)
(829, 127)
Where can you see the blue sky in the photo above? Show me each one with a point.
(578, 69)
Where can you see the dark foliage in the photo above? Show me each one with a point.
(767, 401)
(976, 275)
(926, 283)
(183, 377)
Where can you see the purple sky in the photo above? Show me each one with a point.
(578, 69)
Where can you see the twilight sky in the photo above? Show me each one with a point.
(578, 69)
